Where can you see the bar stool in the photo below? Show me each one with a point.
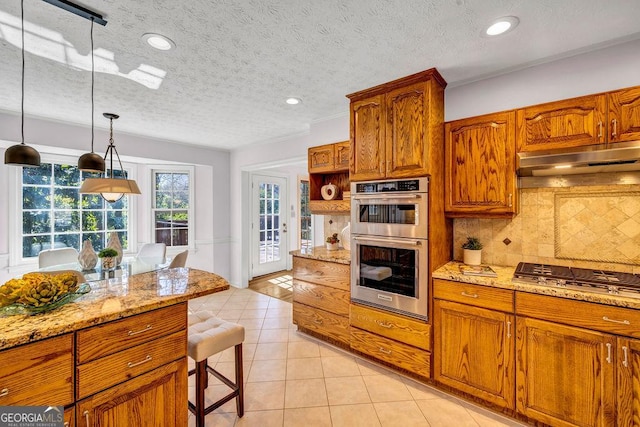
(209, 335)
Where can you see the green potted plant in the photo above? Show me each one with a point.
(332, 242)
(108, 258)
(472, 251)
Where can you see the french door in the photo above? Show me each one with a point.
(268, 225)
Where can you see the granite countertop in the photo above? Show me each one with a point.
(321, 253)
(112, 299)
(451, 271)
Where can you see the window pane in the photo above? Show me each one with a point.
(66, 175)
(96, 239)
(66, 221)
(32, 245)
(91, 201)
(67, 240)
(163, 181)
(180, 237)
(164, 236)
(39, 176)
(65, 198)
(163, 200)
(117, 220)
(163, 219)
(120, 204)
(180, 182)
(35, 222)
(93, 221)
(36, 197)
(180, 219)
(181, 200)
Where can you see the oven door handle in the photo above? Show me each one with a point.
(386, 197)
(408, 242)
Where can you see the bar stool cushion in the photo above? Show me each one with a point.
(209, 335)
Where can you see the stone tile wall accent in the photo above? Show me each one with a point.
(602, 227)
(533, 231)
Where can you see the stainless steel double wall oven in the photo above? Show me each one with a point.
(389, 259)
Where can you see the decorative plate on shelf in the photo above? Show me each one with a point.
(18, 308)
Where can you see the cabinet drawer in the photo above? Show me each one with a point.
(600, 317)
(109, 338)
(107, 371)
(39, 373)
(403, 356)
(399, 328)
(331, 299)
(478, 295)
(322, 322)
(322, 273)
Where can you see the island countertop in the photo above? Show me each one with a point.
(112, 299)
(320, 253)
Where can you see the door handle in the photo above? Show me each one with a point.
(284, 227)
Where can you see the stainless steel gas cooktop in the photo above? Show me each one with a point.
(600, 281)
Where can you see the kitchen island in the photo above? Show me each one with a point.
(113, 356)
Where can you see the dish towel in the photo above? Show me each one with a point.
(375, 273)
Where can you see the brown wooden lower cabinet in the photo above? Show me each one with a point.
(155, 399)
(628, 386)
(70, 417)
(474, 348)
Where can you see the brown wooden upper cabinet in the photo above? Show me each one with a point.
(480, 170)
(395, 126)
(329, 158)
(589, 120)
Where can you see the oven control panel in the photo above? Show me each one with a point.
(392, 186)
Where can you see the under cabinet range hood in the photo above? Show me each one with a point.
(597, 164)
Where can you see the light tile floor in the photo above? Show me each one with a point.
(294, 380)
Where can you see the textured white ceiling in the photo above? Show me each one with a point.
(236, 61)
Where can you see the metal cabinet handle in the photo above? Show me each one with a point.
(622, 322)
(614, 132)
(510, 200)
(134, 364)
(86, 418)
(384, 350)
(66, 424)
(464, 294)
(609, 353)
(600, 129)
(508, 329)
(384, 324)
(317, 296)
(625, 360)
(318, 321)
(4, 392)
(147, 328)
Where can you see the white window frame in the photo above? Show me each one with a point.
(15, 209)
(190, 170)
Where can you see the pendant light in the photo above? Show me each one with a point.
(91, 162)
(110, 188)
(21, 154)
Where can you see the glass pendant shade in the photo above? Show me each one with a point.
(109, 187)
(22, 155)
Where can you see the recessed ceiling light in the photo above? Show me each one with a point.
(294, 101)
(502, 25)
(158, 41)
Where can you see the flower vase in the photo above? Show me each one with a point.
(87, 258)
(332, 246)
(108, 263)
(114, 243)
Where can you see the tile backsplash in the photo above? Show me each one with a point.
(590, 227)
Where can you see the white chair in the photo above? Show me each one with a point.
(50, 257)
(179, 260)
(153, 251)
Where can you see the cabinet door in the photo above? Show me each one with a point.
(562, 124)
(367, 139)
(564, 375)
(321, 158)
(406, 145)
(70, 417)
(480, 158)
(157, 398)
(628, 387)
(624, 115)
(474, 351)
(342, 153)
